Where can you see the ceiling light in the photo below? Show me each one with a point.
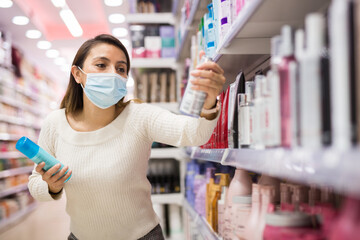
(60, 61)
(71, 22)
(59, 3)
(120, 32)
(113, 3)
(52, 53)
(20, 20)
(44, 44)
(116, 18)
(6, 4)
(33, 34)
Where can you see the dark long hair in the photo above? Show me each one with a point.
(73, 99)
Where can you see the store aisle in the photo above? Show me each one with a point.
(48, 219)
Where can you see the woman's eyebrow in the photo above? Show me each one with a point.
(108, 60)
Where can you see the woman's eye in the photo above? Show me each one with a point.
(100, 65)
(122, 70)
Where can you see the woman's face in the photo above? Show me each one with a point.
(103, 58)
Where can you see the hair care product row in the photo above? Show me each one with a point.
(11, 205)
(152, 41)
(150, 6)
(308, 98)
(156, 86)
(237, 208)
(164, 176)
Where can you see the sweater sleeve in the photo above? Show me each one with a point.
(39, 188)
(160, 125)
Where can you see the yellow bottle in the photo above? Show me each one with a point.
(215, 196)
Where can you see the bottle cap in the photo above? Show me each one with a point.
(287, 48)
(27, 147)
(210, 173)
(224, 179)
(242, 199)
(288, 219)
(275, 49)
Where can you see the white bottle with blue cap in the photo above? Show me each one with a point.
(36, 154)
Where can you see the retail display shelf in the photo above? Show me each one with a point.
(15, 171)
(9, 137)
(18, 104)
(13, 190)
(172, 107)
(188, 24)
(260, 20)
(7, 222)
(170, 198)
(203, 227)
(150, 18)
(166, 153)
(13, 154)
(17, 121)
(153, 63)
(325, 167)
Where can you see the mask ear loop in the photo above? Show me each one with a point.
(83, 73)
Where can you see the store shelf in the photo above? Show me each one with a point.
(153, 63)
(203, 227)
(176, 153)
(172, 107)
(9, 137)
(13, 190)
(197, 11)
(7, 222)
(18, 104)
(260, 20)
(16, 171)
(326, 167)
(171, 198)
(17, 121)
(150, 18)
(14, 154)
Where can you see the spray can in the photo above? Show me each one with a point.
(193, 100)
(36, 154)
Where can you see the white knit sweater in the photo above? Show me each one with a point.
(108, 195)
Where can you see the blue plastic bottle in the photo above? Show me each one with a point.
(37, 154)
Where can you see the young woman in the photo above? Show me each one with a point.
(105, 143)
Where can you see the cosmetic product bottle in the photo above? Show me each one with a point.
(271, 181)
(274, 89)
(175, 225)
(245, 121)
(240, 186)
(267, 195)
(287, 53)
(257, 117)
(252, 226)
(201, 202)
(193, 101)
(236, 88)
(310, 93)
(224, 120)
(217, 190)
(37, 154)
(339, 33)
(211, 39)
(357, 63)
(209, 195)
(288, 225)
(222, 205)
(240, 213)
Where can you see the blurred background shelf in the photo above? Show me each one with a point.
(15, 171)
(153, 63)
(171, 198)
(325, 167)
(13, 190)
(13, 219)
(203, 227)
(13, 154)
(150, 18)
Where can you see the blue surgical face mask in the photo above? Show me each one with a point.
(104, 89)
